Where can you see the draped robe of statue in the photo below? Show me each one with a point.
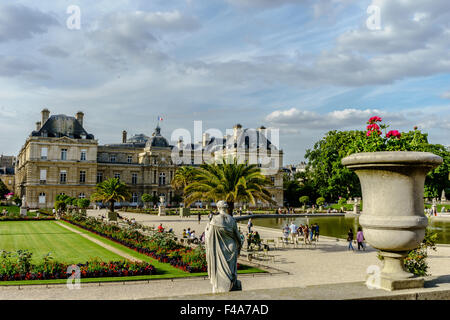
(223, 245)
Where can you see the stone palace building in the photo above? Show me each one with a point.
(61, 157)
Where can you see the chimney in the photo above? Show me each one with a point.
(80, 117)
(205, 139)
(124, 136)
(45, 115)
(38, 126)
(180, 144)
(236, 129)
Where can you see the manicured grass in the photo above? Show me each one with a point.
(42, 237)
(11, 209)
(161, 268)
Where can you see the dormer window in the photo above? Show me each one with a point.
(112, 158)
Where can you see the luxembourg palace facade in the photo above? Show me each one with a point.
(60, 157)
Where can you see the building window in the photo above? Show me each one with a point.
(44, 153)
(99, 177)
(82, 176)
(63, 177)
(112, 158)
(134, 178)
(42, 198)
(272, 179)
(43, 176)
(162, 179)
(83, 155)
(135, 198)
(171, 176)
(63, 154)
(82, 196)
(117, 176)
(154, 176)
(130, 159)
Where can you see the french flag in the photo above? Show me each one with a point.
(160, 119)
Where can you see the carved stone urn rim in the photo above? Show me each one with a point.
(392, 158)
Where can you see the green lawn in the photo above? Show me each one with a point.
(42, 237)
(11, 209)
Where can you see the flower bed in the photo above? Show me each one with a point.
(18, 218)
(18, 267)
(159, 246)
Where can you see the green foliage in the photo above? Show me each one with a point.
(331, 179)
(83, 203)
(342, 201)
(304, 200)
(3, 190)
(111, 191)
(228, 181)
(60, 205)
(320, 201)
(416, 262)
(146, 198)
(17, 200)
(325, 172)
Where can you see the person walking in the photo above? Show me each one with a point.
(350, 239)
(293, 230)
(360, 239)
(250, 225)
(199, 217)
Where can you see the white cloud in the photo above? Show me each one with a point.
(345, 118)
(18, 22)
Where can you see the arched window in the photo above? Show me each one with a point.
(162, 179)
(42, 198)
(82, 196)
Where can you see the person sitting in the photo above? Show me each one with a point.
(256, 239)
(193, 238)
(202, 238)
(184, 234)
(249, 240)
(188, 232)
(160, 228)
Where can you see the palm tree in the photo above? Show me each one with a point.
(228, 181)
(183, 176)
(111, 191)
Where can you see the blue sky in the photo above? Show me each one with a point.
(303, 66)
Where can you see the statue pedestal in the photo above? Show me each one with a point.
(162, 211)
(23, 212)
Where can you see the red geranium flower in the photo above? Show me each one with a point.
(375, 119)
(393, 133)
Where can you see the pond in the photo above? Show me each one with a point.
(338, 226)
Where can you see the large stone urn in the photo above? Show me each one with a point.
(393, 219)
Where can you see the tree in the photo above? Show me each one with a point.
(83, 203)
(228, 181)
(304, 200)
(146, 198)
(183, 176)
(111, 191)
(3, 190)
(320, 201)
(328, 176)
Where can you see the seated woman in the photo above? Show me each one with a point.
(160, 228)
(257, 239)
(184, 234)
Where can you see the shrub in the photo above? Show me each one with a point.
(320, 201)
(304, 200)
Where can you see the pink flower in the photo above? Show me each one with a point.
(375, 119)
(373, 127)
(393, 133)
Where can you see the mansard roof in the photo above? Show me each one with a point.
(62, 126)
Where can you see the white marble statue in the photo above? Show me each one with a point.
(223, 245)
(443, 198)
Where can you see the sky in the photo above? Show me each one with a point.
(301, 66)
